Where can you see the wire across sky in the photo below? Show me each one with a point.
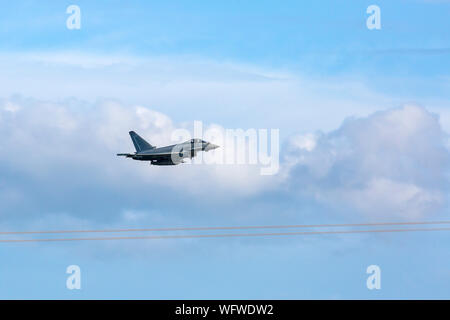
(405, 227)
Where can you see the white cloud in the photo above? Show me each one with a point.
(43, 139)
(11, 107)
(303, 141)
(390, 164)
(186, 87)
(393, 163)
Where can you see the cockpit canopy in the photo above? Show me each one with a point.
(197, 141)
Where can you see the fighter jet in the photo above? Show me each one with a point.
(166, 156)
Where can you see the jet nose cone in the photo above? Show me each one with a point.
(211, 146)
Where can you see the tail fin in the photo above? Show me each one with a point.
(139, 143)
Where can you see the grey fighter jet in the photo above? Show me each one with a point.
(166, 156)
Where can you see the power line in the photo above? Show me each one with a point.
(230, 235)
(228, 228)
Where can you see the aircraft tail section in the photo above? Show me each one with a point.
(139, 143)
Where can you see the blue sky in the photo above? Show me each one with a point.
(363, 118)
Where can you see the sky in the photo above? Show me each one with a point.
(363, 119)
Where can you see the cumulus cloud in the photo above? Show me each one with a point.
(58, 153)
(71, 143)
(186, 87)
(393, 163)
(59, 157)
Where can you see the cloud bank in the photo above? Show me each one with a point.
(60, 156)
(58, 153)
(393, 163)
